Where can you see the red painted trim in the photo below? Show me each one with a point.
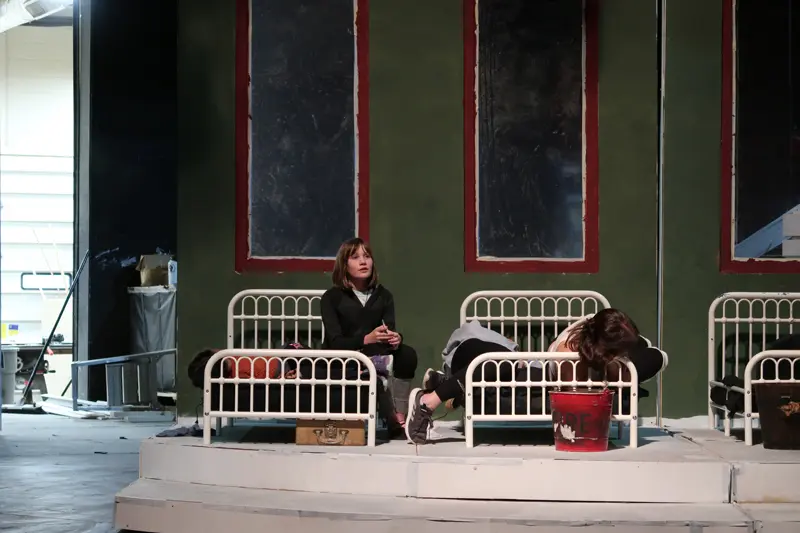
(592, 137)
(727, 263)
(591, 261)
(243, 261)
(470, 168)
(362, 116)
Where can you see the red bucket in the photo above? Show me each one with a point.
(581, 420)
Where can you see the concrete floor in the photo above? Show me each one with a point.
(60, 475)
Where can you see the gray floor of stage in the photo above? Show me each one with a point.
(60, 475)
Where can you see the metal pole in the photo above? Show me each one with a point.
(26, 391)
(661, 21)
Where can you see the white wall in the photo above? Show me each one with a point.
(36, 172)
(36, 91)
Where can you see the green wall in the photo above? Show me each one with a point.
(416, 190)
(691, 167)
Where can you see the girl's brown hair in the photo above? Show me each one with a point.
(347, 250)
(607, 335)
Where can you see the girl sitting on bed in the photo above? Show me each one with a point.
(358, 314)
(601, 341)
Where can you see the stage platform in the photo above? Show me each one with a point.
(680, 480)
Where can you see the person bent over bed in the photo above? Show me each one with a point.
(601, 341)
(358, 314)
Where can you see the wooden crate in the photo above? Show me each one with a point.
(330, 433)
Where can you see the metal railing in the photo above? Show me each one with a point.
(740, 326)
(289, 394)
(549, 368)
(776, 357)
(532, 318)
(147, 389)
(269, 318)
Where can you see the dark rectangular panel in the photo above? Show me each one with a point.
(303, 186)
(765, 131)
(530, 122)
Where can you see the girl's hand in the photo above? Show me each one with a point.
(291, 374)
(394, 339)
(378, 334)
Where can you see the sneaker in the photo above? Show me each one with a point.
(432, 379)
(419, 418)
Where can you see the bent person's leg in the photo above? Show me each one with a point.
(467, 352)
(648, 362)
(422, 404)
(386, 410)
(405, 367)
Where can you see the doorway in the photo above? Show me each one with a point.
(36, 192)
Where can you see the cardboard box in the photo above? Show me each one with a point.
(330, 433)
(154, 269)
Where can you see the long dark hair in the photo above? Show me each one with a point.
(602, 338)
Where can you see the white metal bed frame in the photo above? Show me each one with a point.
(286, 315)
(757, 307)
(519, 314)
(295, 314)
(342, 357)
(521, 305)
(775, 357)
(548, 361)
(269, 306)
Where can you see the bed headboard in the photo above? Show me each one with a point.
(532, 318)
(270, 318)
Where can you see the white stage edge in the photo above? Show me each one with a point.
(677, 480)
(167, 507)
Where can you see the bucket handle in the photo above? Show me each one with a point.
(606, 391)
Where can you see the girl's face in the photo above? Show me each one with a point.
(359, 265)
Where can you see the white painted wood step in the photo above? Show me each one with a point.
(685, 473)
(170, 507)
